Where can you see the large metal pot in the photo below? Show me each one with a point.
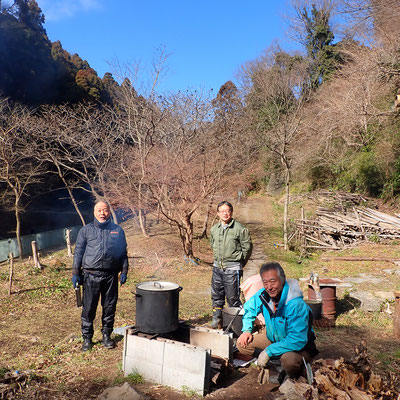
(157, 306)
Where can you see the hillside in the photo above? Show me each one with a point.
(35, 71)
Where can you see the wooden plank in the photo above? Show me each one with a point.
(387, 259)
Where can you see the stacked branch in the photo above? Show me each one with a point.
(332, 230)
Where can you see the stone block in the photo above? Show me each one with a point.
(144, 356)
(167, 362)
(186, 367)
(220, 344)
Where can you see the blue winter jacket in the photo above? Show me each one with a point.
(101, 247)
(289, 328)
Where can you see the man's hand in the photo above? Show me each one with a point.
(263, 359)
(76, 280)
(245, 338)
(122, 278)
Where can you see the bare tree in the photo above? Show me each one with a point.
(275, 102)
(18, 169)
(195, 161)
(80, 142)
(51, 128)
(138, 119)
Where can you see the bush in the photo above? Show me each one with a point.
(363, 175)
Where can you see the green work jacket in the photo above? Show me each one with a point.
(230, 245)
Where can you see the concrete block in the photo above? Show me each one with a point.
(144, 356)
(186, 366)
(167, 362)
(220, 344)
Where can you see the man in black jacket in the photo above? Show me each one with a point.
(100, 255)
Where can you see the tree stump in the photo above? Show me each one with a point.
(35, 255)
(68, 240)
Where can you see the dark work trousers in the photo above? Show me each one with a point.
(225, 283)
(94, 287)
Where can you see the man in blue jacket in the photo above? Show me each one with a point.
(288, 334)
(100, 255)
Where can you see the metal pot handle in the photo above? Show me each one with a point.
(180, 288)
(158, 284)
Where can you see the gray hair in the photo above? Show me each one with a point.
(276, 267)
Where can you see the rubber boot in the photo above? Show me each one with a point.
(107, 341)
(216, 322)
(87, 343)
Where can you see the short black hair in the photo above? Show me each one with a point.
(225, 203)
(275, 266)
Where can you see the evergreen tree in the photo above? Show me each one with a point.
(31, 15)
(324, 55)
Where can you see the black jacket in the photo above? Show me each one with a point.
(101, 247)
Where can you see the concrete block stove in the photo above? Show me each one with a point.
(180, 359)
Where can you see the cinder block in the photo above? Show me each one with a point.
(167, 362)
(220, 344)
(145, 357)
(186, 366)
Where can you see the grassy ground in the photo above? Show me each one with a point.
(40, 324)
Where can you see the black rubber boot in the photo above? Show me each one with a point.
(107, 341)
(87, 343)
(216, 322)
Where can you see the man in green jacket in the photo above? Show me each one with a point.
(231, 245)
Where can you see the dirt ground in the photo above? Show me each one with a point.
(40, 324)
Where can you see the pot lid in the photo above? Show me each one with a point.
(157, 286)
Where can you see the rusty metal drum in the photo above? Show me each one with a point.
(328, 293)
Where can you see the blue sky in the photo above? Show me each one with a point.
(208, 40)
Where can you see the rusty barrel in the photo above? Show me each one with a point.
(328, 293)
(396, 316)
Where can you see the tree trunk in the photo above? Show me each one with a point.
(285, 209)
(75, 204)
(205, 223)
(188, 236)
(70, 193)
(18, 228)
(142, 222)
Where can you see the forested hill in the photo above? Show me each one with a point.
(35, 71)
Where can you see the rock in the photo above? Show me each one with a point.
(124, 392)
(368, 301)
(363, 278)
(384, 296)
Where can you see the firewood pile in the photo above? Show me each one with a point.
(342, 225)
(344, 380)
(334, 201)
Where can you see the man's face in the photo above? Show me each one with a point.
(224, 214)
(272, 283)
(101, 212)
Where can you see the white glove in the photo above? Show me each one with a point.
(263, 359)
